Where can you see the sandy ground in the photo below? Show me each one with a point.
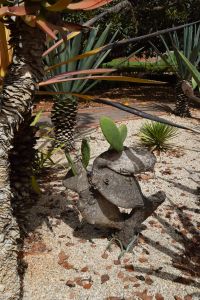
(68, 259)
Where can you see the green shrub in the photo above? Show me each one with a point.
(157, 136)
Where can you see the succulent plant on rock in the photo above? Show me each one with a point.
(112, 185)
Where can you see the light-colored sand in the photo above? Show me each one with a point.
(67, 259)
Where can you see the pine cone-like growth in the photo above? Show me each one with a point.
(64, 116)
(182, 102)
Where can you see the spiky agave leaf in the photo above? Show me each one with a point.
(157, 136)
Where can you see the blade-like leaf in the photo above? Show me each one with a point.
(15, 11)
(46, 27)
(4, 52)
(57, 44)
(37, 118)
(35, 185)
(63, 76)
(107, 78)
(85, 152)
(75, 58)
(111, 133)
(193, 70)
(125, 41)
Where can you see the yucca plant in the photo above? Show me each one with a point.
(65, 106)
(157, 136)
(189, 45)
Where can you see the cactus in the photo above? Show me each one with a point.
(114, 136)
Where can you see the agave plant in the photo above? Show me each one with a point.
(157, 136)
(190, 47)
(65, 106)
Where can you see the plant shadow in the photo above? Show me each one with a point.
(186, 256)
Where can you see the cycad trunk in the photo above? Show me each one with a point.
(182, 108)
(16, 98)
(64, 118)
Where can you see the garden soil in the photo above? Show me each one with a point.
(66, 258)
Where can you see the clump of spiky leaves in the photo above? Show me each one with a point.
(157, 136)
(114, 135)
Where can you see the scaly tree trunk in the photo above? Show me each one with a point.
(64, 118)
(15, 103)
(182, 100)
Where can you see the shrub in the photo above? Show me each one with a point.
(156, 136)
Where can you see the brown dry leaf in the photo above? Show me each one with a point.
(108, 267)
(104, 255)
(37, 248)
(145, 177)
(141, 240)
(117, 262)
(82, 241)
(188, 297)
(132, 278)
(126, 286)
(104, 278)
(148, 280)
(79, 281)
(143, 259)
(70, 283)
(69, 244)
(159, 297)
(177, 298)
(129, 268)
(84, 269)
(143, 295)
(87, 286)
(63, 261)
(136, 285)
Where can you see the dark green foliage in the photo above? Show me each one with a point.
(156, 136)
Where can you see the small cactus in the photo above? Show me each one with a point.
(115, 136)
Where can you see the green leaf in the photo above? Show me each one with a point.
(123, 132)
(71, 163)
(111, 133)
(193, 70)
(85, 151)
(35, 185)
(37, 118)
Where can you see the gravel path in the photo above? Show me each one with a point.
(67, 258)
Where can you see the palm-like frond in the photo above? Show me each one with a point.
(156, 135)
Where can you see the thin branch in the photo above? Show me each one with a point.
(115, 9)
